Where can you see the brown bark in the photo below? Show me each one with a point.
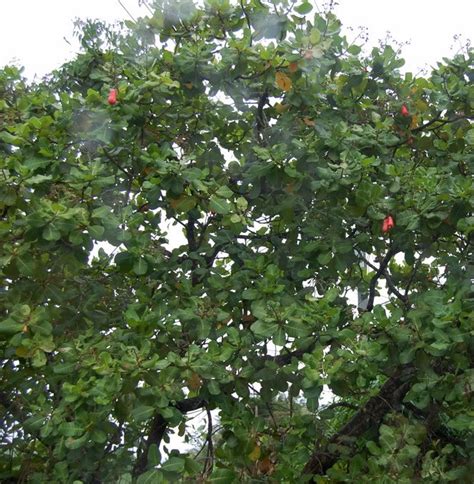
(390, 396)
(159, 424)
(158, 428)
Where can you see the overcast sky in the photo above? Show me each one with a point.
(33, 32)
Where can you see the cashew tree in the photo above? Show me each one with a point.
(189, 209)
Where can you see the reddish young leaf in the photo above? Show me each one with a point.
(404, 111)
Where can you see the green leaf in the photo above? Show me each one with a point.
(39, 359)
(264, 329)
(73, 444)
(101, 212)
(184, 203)
(373, 448)
(192, 467)
(64, 368)
(219, 205)
(96, 231)
(140, 267)
(71, 429)
(173, 464)
(462, 423)
(250, 294)
(242, 203)
(11, 139)
(142, 412)
(154, 456)
(315, 36)
(469, 137)
(223, 476)
(325, 258)
(25, 265)
(225, 192)
(297, 329)
(34, 423)
(304, 8)
(38, 179)
(50, 232)
(152, 476)
(10, 326)
(407, 356)
(213, 388)
(125, 479)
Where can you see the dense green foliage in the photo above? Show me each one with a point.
(278, 148)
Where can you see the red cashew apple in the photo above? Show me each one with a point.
(112, 99)
(404, 111)
(387, 224)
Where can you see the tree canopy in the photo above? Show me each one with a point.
(188, 208)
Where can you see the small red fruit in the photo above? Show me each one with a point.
(112, 99)
(387, 224)
(404, 111)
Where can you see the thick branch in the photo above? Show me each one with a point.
(158, 429)
(159, 424)
(390, 396)
(433, 424)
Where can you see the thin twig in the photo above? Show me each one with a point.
(125, 8)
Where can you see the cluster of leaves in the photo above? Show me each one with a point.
(278, 148)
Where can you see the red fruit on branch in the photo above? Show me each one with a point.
(112, 99)
(387, 224)
(404, 111)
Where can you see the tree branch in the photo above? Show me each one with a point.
(260, 122)
(341, 404)
(391, 395)
(158, 429)
(282, 360)
(209, 462)
(192, 246)
(159, 424)
(373, 282)
(388, 279)
(114, 162)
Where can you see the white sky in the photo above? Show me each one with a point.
(32, 31)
